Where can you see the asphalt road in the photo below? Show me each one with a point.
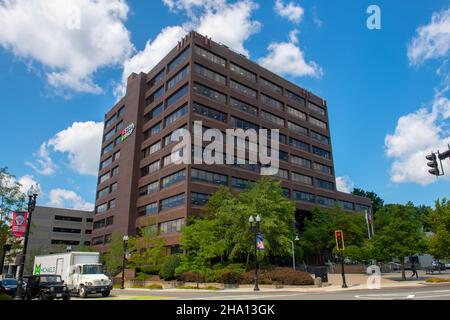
(425, 293)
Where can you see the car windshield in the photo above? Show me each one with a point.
(9, 282)
(50, 279)
(92, 269)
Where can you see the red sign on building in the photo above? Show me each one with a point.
(19, 223)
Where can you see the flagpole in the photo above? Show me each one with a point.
(367, 222)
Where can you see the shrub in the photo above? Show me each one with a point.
(192, 277)
(151, 286)
(285, 276)
(203, 288)
(230, 277)
(167, 271)
(438, 280)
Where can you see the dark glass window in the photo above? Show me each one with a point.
(325, 201)
(157, 79)
(209, 112)
(105, 163)
(239, 123)
(173, 179)
(300, 178)
(210, 56)
(209, 177)
(271, 86)
(243, 89)
(322, 168)
(239, 183)
(172, 202)
(303, 196)
(297, 129)
(178, 60)
(109, 135)
(243, 72)
(321, 153)
(199, 199)
(324, 184)
(66, 218)
(316, 108)
(176, 96)
(66, 230)
(346, 205)
(101, 208)
(149, 169)
(271, 102)
(108, 148)
(320, 137)
(149, 189)
(298, 144)
(209, 93)
(148, 210)
(295, 97)
(272, 118)
(111, 121)
(177, 78)
(171, 226)
(151, 149)
(301, 161)
(109, 221)
(154, 113)
(103, 193)
(174, 116)
(155, 96)
(209, 74)
(237, 104)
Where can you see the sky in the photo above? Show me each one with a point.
(63, 65)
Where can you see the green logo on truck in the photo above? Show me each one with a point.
(37, 269)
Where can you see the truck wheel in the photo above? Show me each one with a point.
(82, 292)
(106, 293)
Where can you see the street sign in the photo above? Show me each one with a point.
(340, 245)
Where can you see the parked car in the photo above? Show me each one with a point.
(46, 287)
(8, 286)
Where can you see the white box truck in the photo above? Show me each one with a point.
(80, 271)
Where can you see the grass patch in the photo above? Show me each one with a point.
(437, 280)
(152, 287)
(199, 288)
(4, 296)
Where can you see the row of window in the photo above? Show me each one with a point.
(104, 223)
(108, 161)
(111, 204)
(164, 204)
(107, 190)
(108, 175)
(71, 219)
(253, 78)
(112, 120)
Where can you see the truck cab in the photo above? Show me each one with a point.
(88, 279)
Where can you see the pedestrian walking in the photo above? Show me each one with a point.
(414, 270)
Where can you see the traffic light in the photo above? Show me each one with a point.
(340, 245)
(433, 164)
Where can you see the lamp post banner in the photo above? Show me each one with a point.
(259, 242)
(19, 223)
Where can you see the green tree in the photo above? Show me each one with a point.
(113, 258)
(399, 234)
(439, 222)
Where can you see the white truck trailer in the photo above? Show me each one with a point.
(81, 271)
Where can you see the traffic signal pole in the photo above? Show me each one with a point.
(344, 283)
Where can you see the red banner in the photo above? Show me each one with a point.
(19, 223)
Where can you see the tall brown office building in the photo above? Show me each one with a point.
(201, 80)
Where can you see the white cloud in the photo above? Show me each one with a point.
(286, 58)
(26, 182)
(290, 11)
(212, 18)
(72, 39)
(416, 135)
(61, 198)
(81, 142)
(432, 40)
(44, 163)
(344, 184)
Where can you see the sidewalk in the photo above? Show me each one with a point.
(354, 282)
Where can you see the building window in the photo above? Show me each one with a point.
(243, 72)
(148, 210)
(199, 199)
(283, 174)
(121, 112)
(149, 169)
(303, 196)
(295, 97)
(178, 78)
(119, 125)
(320, 137)
(325, 201)
(111, 121)
(66, 242)
(109, 135)
(176, 96)
(242, 89)
(287, 193)
(209, 177)
(239, 123)
(172, 202)
(318, 123)
(361, 208)
(271, 102)
(109, 221)
(324, 184)
(97, 240)
(305, 163)
(272, 118)
(101, 208)
(154, 113)
(155, 96)
(209, 93)
(296, 113)
(114, 187)
(179, 113)
(346, 205)
(297, 129)
(300, 178)
(321, 153)
(157, 79)
(118, 140)
(104, 177)
(89, 220)
(149, 189)
(210, 56)
(322, 168)
(173, 179)
(103, 193)
(298, 144)
(283, 155)
(114, 172)
(108, 148)
(171, 226)
(105, 163)
(243, 107)
(272, 86)
(316, 108)
(151, 150)
(239, 183)
(167, 160)
(108, 238)
(210, 113)
(178, 60)
(66, 218)
(112, 204)
(66, 230)
(152, 131)
(209, 74)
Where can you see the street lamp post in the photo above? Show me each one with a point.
(255, 229)
(32, 195)
(125, 248)
(293, 251)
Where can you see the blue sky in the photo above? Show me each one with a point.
(56, 83)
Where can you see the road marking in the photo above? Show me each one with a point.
(411, 296)
(244, 297)
(416, 295)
